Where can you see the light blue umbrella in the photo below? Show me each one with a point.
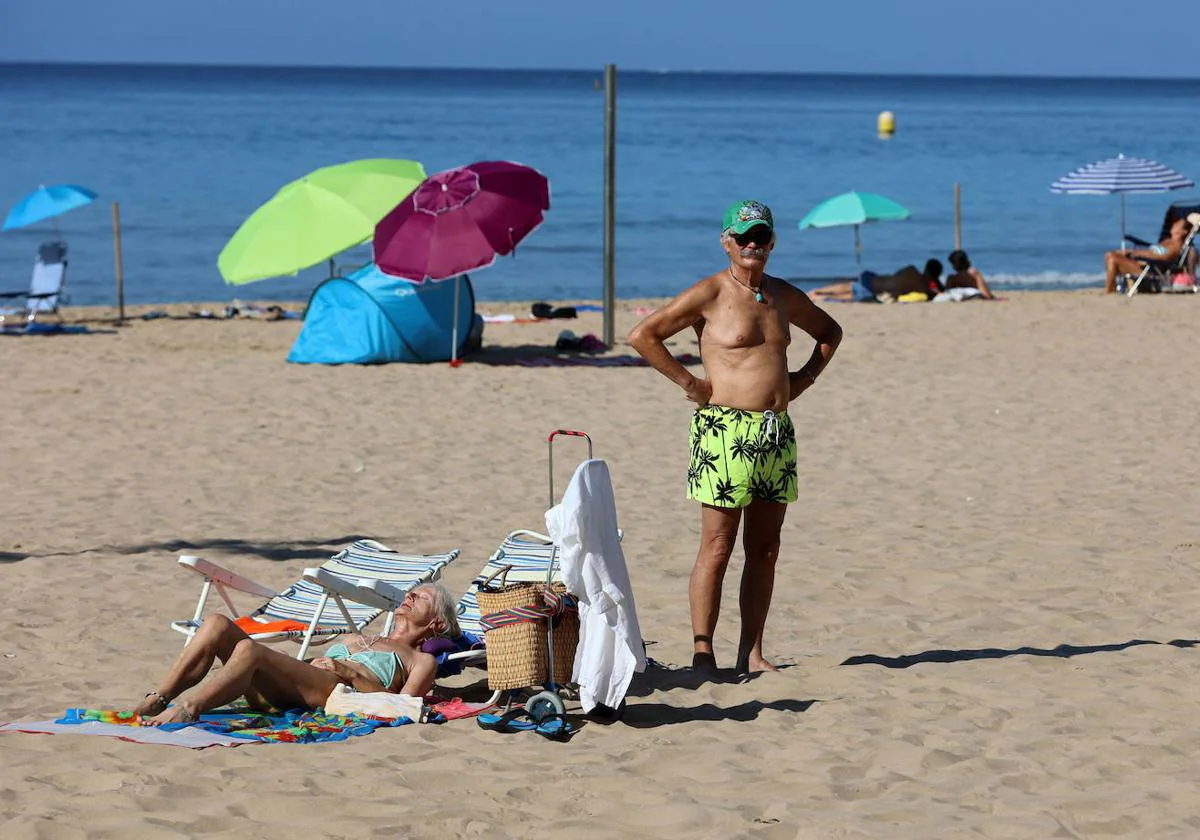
(854, 208)
(46, 203)
(1118, 176)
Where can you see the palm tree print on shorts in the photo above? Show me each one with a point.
(739, 455)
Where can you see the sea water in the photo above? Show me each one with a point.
(189, 152)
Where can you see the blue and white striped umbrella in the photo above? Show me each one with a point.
(1121, 175)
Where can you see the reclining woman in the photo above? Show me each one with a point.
(1131, 260)
(966, 276)
(270, 678)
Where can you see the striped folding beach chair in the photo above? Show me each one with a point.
(527, 556)
(344, 595)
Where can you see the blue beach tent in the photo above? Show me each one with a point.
(369, 317)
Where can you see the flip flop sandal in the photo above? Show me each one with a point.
(514, 720)
(556, 728)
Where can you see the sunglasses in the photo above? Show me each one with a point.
(759, 235)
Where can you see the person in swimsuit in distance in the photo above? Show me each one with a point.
(965, 276)
(271, 678)
(1128, 261)
(870, 285)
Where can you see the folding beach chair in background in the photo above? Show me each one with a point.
(1160, 275)
(326, 602)
(45, 286)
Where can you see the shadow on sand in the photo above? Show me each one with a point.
(320, 549)
(969, 655)
(650, 715)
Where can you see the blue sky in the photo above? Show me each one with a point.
(1025, 37)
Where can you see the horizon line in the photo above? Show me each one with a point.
(658, 71)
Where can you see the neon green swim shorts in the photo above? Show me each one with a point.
(739, 456)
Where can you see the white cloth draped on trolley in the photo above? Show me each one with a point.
(584, 527)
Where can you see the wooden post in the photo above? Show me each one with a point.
(118, 262)
(610, 202)
(957, 216)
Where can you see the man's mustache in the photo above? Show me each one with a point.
(754, 252)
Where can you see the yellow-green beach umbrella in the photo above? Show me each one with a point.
(316, 217)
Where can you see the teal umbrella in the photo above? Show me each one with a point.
(854, 208)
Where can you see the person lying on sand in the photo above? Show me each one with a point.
(1130, 260)
(965, 276)
(270, 678)
(871, 285)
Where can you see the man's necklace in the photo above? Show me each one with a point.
(758, 295)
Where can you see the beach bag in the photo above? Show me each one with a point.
(515, 619)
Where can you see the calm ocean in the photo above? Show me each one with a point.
(189, 152)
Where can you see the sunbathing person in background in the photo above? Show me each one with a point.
(1130, 260)
(965, 276)
(869, 286)
(270, 678)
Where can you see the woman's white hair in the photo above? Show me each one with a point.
(445, 608)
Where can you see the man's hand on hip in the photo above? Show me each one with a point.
(698, 391)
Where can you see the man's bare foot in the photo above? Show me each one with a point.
(753, 665)
(152, 704)
(179, 713)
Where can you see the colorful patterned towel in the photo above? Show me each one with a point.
(293, 727)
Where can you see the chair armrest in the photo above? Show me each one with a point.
(219, 574)
(6, 295)
(335, 585)
(378, 594)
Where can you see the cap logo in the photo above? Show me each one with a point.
(753, 210)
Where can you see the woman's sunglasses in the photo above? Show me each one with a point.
(759, 235)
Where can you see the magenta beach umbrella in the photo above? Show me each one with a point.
(459, 220)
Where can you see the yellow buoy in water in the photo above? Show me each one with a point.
(886, 123)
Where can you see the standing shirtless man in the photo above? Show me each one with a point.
(743, 444)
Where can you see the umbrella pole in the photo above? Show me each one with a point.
(957, 216)
(454, 360)
(118, 262)
(1122, 221)
(857, 248)
(610, 203)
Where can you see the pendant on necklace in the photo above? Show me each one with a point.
(758, 297)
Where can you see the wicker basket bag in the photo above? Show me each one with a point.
(515, 619)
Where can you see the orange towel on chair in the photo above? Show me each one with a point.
(250, 625)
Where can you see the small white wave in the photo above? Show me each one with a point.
(1046, 280)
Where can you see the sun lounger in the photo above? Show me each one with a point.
(326, 602)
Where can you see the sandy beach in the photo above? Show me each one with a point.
(985, 606)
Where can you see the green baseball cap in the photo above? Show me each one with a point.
(745, 214)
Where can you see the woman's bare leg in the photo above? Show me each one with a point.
(254, 668)
(1117, 263)
(215, 639)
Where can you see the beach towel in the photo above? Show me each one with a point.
(957, 294)
(584, 527)
(230, 727)
(37, 328)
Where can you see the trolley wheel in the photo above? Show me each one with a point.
(543, 705)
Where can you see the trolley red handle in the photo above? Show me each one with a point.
(550, 446)
(571, 432)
